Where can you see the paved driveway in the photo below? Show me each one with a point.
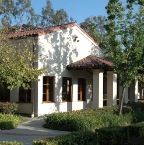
(29, 131)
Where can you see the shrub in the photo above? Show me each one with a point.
(116, 135)
(66, 122)
(77, 138)
(8, 107)
(10, 143)
(88, 119)
(9, 121)
(121, 135)
(137, 130)
(112, 135)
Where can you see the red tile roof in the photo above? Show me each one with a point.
(40, 31)
(92, 62)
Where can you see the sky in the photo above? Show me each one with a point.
(77, 9)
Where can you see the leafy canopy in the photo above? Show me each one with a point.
(126, 42)
(17, 62)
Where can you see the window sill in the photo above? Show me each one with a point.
(45, 102)
(24, 102)
(65, 101)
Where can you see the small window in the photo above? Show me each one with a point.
(48, 88)
(81, 89)
(67, 89)
(25, 95)
(4, 93)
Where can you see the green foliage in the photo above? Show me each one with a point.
(50, 17)
(91, 119)
(9, 121)
(17, 61)
(10, 143)
(116, 135)
(21, 13)
(88, 119)
(126, 42)
(8, 107)
(78, 138)
(120, 135)
(94, 26)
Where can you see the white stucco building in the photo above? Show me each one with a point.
(77, 75)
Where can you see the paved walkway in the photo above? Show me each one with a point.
(29, 131)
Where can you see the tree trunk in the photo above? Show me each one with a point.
(121, 101)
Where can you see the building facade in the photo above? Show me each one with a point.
(77, 76)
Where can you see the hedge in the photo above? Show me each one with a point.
(8, 107)
(10, 143)
(88, 119)
(9, 121)
(124, 135)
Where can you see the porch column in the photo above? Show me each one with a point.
(97, 89)
(126, 96)
(133, 90)
(111, 88)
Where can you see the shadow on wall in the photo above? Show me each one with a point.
(56, 51)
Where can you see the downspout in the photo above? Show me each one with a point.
(32, 98)
(33, 91)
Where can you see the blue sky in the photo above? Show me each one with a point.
(78, 9)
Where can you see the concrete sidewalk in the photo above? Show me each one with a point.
(29, 131)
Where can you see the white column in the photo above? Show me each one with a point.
(126, 96)
(133, 89)
(75, 90)
(136, 89)
(97, 89)
(111, 88)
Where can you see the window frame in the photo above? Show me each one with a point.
(81, 89)
(25, 95)
(49, 89)
(66, 89)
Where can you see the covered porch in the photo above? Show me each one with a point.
(106, 90)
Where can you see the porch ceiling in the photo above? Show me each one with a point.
(91, 62)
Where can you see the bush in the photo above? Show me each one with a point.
(121, 135)
(8, 107)
(137, 130)
(66, 122)
(10, 143)
(9, 121)
(116, 135)
(77, 138)
(112, 135)
(88, 119)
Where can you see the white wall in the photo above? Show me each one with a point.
(57, 50)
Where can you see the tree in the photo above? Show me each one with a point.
(50, 17)
(17, 61)
(21, 12)
(6, 10)
(94, 26)
(126, 42)
(61, 17)
(18, 12)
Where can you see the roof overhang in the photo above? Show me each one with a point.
(91, 62)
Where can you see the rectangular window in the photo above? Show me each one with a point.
(67, 89)
(4, 93)
(81, 89)
(25, 95)
(48, 88)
